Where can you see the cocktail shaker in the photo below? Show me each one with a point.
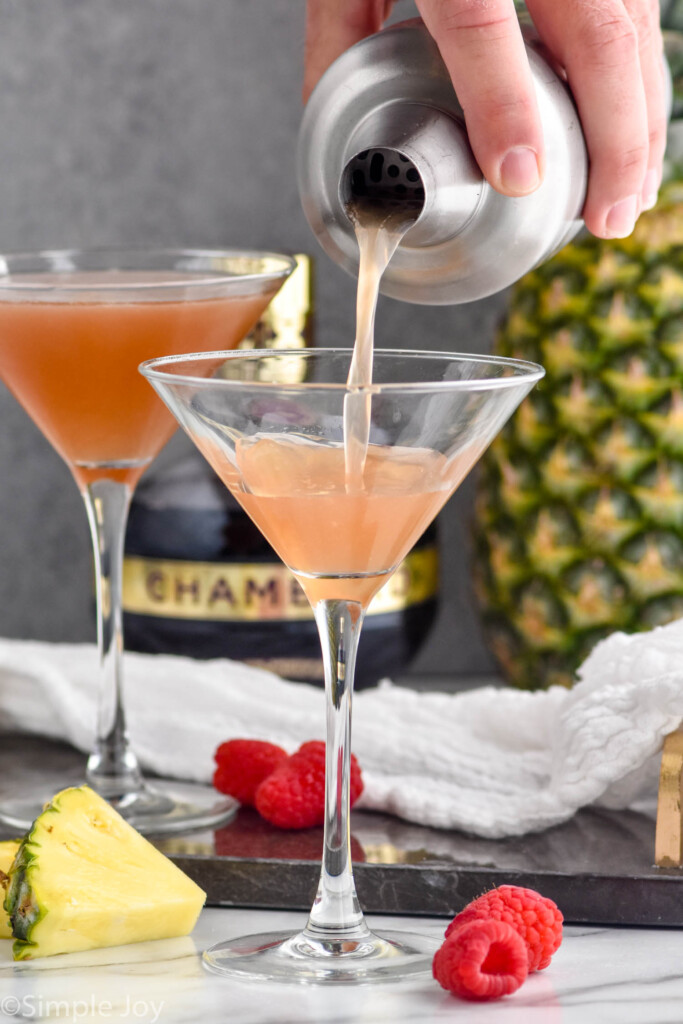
(385, 115)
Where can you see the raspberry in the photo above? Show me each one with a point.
(484, 959)
(243, 765)
(536, 918)
(294, 795)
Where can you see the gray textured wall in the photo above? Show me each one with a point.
(168, 122)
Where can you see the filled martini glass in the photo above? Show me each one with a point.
(342, 523)
(74, 325)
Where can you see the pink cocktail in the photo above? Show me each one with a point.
(74, 326)
(342, 525)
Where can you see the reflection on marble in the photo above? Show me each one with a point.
(599, 976)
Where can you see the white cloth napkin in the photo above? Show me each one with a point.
(495, 762)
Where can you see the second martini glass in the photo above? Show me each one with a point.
(74, 325)
(279, 447)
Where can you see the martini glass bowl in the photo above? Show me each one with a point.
(342, 530)
(74, 325)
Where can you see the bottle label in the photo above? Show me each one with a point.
(232, 591)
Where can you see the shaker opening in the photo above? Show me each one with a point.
(383, 180)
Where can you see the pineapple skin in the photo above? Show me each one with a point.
(8, 851)
(579, 514)
(83, 878)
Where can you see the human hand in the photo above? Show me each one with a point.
(611, 52)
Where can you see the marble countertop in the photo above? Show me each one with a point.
(599, 976)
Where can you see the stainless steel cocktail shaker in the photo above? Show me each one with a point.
(385, 114)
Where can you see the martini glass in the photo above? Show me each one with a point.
(279, 448)
(74, 325)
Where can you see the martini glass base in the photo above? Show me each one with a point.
(166, 807)
(280, 956)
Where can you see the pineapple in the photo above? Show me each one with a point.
(84, 878)
(8, 851)
(580, 499)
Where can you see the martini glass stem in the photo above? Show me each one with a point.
(112, 768)
(336, 916)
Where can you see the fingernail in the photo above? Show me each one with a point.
(650, 188)
(621, 219)
(519, 170)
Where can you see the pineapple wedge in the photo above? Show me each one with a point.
(84, 878)
(8, 851)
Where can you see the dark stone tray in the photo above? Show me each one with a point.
(598, 867)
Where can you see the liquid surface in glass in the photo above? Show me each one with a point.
(340, 543)
(73, 364)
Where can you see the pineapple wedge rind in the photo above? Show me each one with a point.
(19, 904)
(8, 851)
(84, 878)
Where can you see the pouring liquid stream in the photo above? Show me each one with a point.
(379, 224)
